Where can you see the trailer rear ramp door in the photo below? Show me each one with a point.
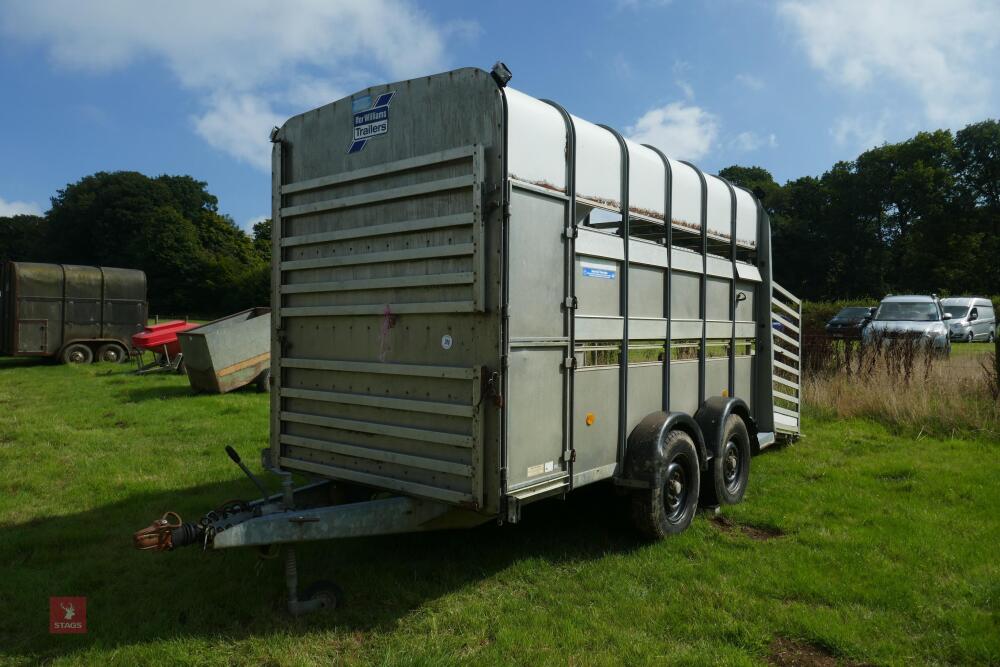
(786, 338)
(379, 265)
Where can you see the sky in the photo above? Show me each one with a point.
(193, 87)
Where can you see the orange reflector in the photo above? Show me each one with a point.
(590, 418)
(725, 392)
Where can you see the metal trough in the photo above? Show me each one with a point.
(229, 353)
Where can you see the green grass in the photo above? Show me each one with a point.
(971, 349)
(887, 554)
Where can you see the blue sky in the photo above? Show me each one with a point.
(192, 87)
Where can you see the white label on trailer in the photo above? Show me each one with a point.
(605, 270)
(534, 471)
(370, 119)
(446, 342)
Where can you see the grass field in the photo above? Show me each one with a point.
(854, 545)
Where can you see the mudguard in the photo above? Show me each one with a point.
(644, 455)
(712, 415)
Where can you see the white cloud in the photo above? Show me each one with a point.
(941, 52)
(251, 62)
(681, 69)
(861, 131)
(239, 125)
(681, 130)
(750, 81)
(248, 225)
(9, 208)
(747, 141)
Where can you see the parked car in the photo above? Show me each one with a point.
(972, 318)
(849, 322)
(905, 316)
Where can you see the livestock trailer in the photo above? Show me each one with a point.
(230, 352)
(72, 313)
(480, 301)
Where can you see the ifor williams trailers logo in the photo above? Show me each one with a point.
(67, 616)
(370, 120)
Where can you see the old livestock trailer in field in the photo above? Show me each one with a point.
(74, 313)
(480, 301)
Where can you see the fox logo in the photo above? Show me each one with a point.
(67, 615)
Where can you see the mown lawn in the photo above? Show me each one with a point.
(854, 543)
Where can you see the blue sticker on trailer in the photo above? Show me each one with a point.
(370, 119)
(592, 272)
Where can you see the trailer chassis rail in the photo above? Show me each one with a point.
(301, 514)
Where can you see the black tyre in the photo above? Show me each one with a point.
(327, 593)
(112, 353)
(725, 481)
(991, 338)
(263, 381)
(970, 338)
(77, 353)
(669, 508)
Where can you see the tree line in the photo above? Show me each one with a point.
(918, 216)
(197, 260)
(922, 215)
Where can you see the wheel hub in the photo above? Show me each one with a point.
(76, 357)
(731, 465)
(675, 496)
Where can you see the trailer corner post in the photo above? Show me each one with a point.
(277, 256)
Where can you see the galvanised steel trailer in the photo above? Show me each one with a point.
(74, 313)
(480, 301)
(230, 352)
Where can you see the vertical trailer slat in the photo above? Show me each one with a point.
(703, 282)
(623, 377)
(569, 239)
(668, 241)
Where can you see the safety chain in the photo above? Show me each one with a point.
(223, 512)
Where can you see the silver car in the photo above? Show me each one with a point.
(911, 316)
(972, 318)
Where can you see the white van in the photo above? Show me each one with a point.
(972, 318)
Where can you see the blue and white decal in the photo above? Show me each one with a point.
(605, 270)
(370, 119)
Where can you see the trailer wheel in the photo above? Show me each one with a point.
(725, 482)
(327, 593)
(77, 353)
(112, 353)
(262, 383)
(669, 508)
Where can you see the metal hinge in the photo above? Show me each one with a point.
(571, 302)
(569, 456)
(570, 232)
(569, 362)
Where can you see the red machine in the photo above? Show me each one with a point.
(161, 340)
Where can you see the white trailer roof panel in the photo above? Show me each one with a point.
(536, 142)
